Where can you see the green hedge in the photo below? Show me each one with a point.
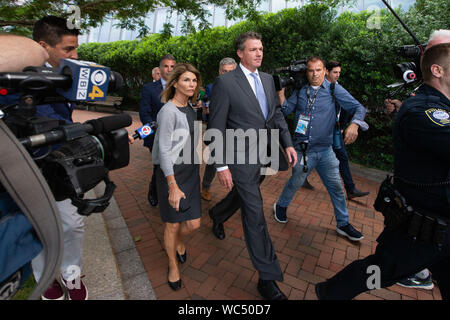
(367, 56)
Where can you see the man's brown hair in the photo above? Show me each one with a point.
(438, 54)
(239, 43)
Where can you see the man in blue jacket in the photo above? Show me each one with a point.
(148, 110)
(315, 125)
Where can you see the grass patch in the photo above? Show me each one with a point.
(26, 289)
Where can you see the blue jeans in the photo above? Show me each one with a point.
(327, 166)
(344, 167)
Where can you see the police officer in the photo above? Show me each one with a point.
(419, 236)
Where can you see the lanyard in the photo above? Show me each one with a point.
(312, 100)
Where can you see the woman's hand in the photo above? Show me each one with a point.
(175, 195)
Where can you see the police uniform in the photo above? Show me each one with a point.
(422, 176)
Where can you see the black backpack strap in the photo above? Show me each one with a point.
(336, 104)
(24, 182)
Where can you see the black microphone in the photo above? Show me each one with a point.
(110, 123)
(74, 131)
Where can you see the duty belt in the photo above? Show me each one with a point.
(423, 226)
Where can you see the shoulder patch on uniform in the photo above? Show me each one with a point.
(440, 117)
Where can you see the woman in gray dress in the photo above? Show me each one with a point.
(178, 179)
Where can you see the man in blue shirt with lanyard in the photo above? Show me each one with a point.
(315, 125)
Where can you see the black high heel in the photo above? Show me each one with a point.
(174, 285)
(182, 257)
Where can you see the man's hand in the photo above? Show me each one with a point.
(392, 104)
(291, 155)
(225, 178)
(281, 96)
(351, 133)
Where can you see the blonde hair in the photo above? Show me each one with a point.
(175, 75)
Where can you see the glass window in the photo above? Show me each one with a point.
(278, 5)
(294, 3)
(179, 25)
(126, 34)
(150, 20)
(115, 32)
(373, 4)
(93, 34)
(104, 32)
(210, 18)
(219, 17)
(161, 15)
(405, 4)
(264, 5)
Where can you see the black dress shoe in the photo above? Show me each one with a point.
(182, 257)
(218, 230)
(269, 290)
(356, 193)
(153, 200)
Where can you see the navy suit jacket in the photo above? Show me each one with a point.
(150, 106)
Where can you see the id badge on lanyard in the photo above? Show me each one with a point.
(302, 124)
(304, 119)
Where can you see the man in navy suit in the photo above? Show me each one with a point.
(148, 110)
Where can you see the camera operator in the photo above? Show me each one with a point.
(60, 42)
(316, 127)
(437, 37)
(417, 231)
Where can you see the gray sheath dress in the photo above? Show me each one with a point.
(187, 177)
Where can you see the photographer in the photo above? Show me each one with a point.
(417, 206)
(60, 42)
(316, 127)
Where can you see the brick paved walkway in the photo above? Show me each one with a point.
(307, 247)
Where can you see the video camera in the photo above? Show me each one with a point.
(296, 75)
(410, 71)
(75, 157)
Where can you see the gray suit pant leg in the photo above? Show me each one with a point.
(257, 238)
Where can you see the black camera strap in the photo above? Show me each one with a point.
(25, 184)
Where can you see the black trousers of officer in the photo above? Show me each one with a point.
(398, 257)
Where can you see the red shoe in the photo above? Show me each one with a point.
(76, 289)
(54, 292)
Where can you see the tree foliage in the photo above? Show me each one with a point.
(368, 56)
(18, 16)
